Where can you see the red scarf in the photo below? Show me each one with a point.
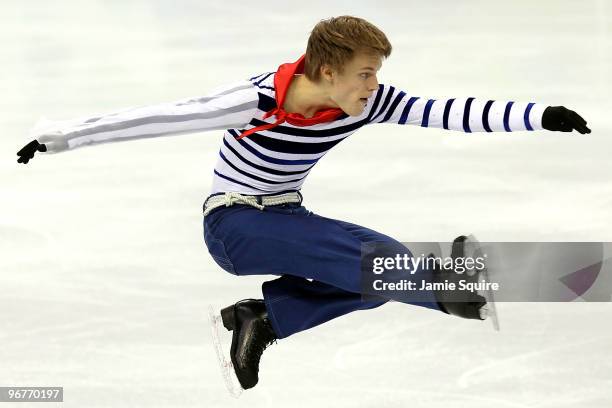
(282, 79)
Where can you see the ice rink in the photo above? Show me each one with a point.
(104, 275)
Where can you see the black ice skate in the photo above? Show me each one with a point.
(465, 304)
(252, 333)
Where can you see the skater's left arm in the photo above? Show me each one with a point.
(391, 105)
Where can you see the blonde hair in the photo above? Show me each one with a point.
(336, 40)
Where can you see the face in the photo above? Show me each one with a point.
(351, 89)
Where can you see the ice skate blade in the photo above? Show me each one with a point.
(490, 311)
(483, 312)
(225, 364)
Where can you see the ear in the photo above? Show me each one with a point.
(328, 74)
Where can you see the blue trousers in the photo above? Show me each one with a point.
(317, 259)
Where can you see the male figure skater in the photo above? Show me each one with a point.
(277, 125)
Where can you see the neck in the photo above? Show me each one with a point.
(306, 97)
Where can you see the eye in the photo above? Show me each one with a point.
(364, 75)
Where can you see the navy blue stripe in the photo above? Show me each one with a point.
(269, 159)
(376, 102)
(342, 116)
(507, 116)
(485, 116)
(262, 168)
(447, 109)
(303, 132)
(265, 87)
(391, 109)
(259, 81)
(385, 103)
(426, 112)
(526, 116)
(257, 76)
(265, 102)
(252, 176)
(466, 115)
(240, 182)
(407, 108)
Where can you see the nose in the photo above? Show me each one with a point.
(372, 83)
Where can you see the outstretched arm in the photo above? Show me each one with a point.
(229, 107)
(391, 105)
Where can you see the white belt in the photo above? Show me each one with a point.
(259, 202)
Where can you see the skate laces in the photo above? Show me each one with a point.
(261, 340)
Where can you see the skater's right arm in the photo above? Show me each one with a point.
(232, 106)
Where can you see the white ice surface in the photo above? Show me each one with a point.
(104, 275)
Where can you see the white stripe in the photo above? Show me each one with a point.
(303, 139)
(476, 110)
(415, 117)
(535, 116)
(496, 116)
(517, 116)
(279, 155)
(436, 115)
(455, 117)
(221, 185)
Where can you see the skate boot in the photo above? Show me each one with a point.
(465, 304)
(252, 333)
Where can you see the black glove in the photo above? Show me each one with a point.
(560, 118)
(27, 152)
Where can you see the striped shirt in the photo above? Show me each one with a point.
(280, 158)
